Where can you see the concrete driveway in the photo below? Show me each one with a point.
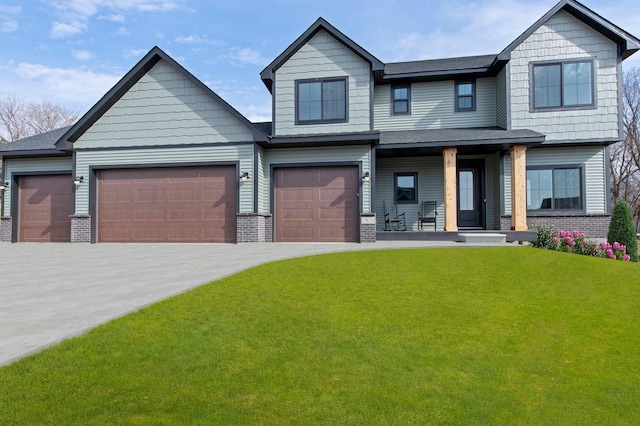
(50, 292)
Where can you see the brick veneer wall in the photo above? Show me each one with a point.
(368, 228)
(593, 225)
(80, 229)
(6, 229)
(254, 228)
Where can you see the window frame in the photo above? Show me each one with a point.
(553, 209)
(457, 95)
(322, 81)
(394, 100)
(414, 175)
(562, 107)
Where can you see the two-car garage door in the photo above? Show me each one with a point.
(181, 204)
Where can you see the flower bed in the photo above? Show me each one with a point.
(576, 242)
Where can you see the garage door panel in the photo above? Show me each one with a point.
(45, 203)
(168, 204)
(317, 204)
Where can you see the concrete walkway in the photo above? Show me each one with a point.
(50, 292)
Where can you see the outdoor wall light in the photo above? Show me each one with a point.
(4, 186)
(366, 177)
(244, 177)
(78, 180)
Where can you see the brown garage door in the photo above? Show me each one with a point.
(317, 204)
(45, 203)
(185, 204)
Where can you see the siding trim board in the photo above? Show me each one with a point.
(138, 147)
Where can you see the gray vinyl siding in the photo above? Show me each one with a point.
(501, 98)
(223, 154)
(34, 166)
(164, 108)
(323, 57)
(564, 37)
(430, 187)
(433, 107)
(594, 179)
(360, 155)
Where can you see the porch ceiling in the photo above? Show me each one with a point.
(432, 141)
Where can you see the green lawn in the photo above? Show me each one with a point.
(434, 336)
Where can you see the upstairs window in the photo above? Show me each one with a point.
(401, 99)
(321, 101)
(554, 189)
(563, 85)
(465, 95)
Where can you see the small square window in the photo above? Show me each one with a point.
(406, 188)
(401, 99)
(465, 97)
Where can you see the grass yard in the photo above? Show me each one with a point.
(434, 336)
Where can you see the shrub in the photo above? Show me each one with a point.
(622, 229)
(576, 242)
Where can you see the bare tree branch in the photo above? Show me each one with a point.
(20, 119)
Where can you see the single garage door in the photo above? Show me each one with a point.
(45, 203)
(185, 204)
(317, 204)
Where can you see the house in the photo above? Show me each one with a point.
(499, 142)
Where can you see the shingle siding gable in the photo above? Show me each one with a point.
(323, 57)
(164, 108)
(563, 37)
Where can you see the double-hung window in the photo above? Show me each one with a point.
(321, 101)
(563, 85)
(556, 188)
(401, 99)
(465, 97)
(406, 188)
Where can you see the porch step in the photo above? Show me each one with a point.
(482, 238)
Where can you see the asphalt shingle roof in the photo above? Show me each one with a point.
(475, 135)
(440, 65)
(43, 141)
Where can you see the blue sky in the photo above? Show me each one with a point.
(73, 51)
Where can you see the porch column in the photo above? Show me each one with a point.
(518, 187)
(450, 191)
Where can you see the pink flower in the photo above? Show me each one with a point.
(556, 240)
(576, 233)
(583, 236)
(616, 245)
(610, 253)
(623, 248)
(627, 258)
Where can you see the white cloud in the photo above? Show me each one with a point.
(83, 55)
(67, 86)
(8, 15)
(195, 39)
(134, 53)
(122, 31)
(61, 29)
(74, 15)
(480, 28)
(246, 55)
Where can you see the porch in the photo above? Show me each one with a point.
(474, 176)
(511, 236)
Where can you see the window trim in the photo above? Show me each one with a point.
(395, 187)
(322, 81)
(583, 198)
(457, 95)
(393, 99)
(562, 107)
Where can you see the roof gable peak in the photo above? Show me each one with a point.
(320, 24)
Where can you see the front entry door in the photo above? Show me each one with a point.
(471, 194)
